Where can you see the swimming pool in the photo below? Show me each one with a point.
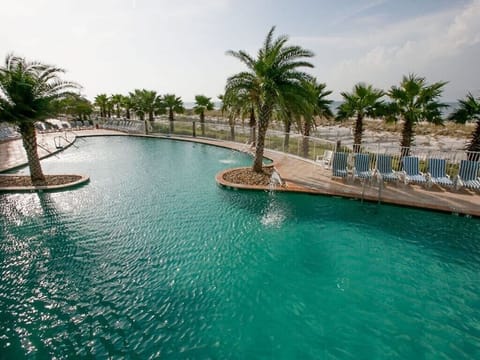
(152, 258)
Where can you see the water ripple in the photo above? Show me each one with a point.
(157, 261)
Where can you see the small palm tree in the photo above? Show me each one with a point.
(28, 92)
(76, 106)
(234, 105)
(116, 101)
(243, 101)
(127, 104)
(146, 102)
(273, 74)
(319, 106)
(174, 104)
(202, 104)
(414, 101)
(469, 110)
(362, 101)
(101, 101)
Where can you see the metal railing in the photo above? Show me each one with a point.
(308, 147)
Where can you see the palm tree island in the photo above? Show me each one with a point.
(272, 77)
(29, 92)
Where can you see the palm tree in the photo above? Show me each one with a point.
(28, 92)
(271, 75)
(469, 110)
(244, 101)
(318, 106)
(117, 101)
(127, 104)
(414, 101)
(234, 105)
(174, 104)
(202, 104)
(146, 102)
(75, 105)
(288, 112)
(101, 101)
(362, 101)
(109, 107)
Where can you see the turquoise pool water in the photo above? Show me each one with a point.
(152, 259)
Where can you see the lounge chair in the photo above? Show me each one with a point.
(384, 168)
(437, 173)
(339, 164)
(411, 170)
(325, 159)
(468, 175)
(361, 169)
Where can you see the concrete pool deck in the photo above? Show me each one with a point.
(300, 175)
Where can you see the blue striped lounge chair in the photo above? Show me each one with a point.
(384, 168)
(411, 170)
(361, 169)
(437, 172)
(468, 175)
(339, 164)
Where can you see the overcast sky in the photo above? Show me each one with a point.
(178, 46)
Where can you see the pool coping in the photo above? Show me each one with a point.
(21, 189)
(291, 185)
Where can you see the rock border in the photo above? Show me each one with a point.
(20, 189)
(220, 179)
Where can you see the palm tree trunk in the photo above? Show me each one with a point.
(29, 139)
(253, 126)
(128, 113)
(306, 134)
(286, 139)
(357, 136)
(265, 113)
(407, 137)
(474, 143)
(231, 121)
(170, 119)
(202, 122)
(150, 119)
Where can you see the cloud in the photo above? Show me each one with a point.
(409, 46)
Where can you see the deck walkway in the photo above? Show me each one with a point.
(300, 175)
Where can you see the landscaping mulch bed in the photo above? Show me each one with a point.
(51, 180)
(247, 176)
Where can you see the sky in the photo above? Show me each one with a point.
(116, 46)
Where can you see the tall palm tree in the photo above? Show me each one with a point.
(469, 110)
(174, 104)
(362, 101)
(28, 91)
(414, 101)
(272, 74)
(101, 100)
(202, 104)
